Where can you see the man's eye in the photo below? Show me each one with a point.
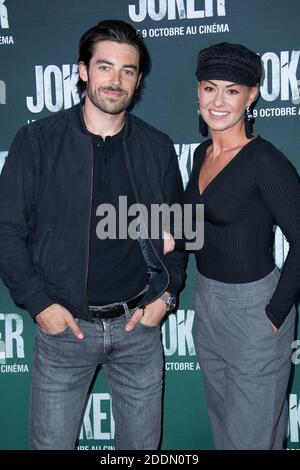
(128, 72)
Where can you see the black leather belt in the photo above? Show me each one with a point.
(113, 310)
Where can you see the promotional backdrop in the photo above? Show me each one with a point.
(38, 74)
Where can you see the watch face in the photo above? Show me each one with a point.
(169, 300)
(171, 303)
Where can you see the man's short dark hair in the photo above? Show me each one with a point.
(117, 31)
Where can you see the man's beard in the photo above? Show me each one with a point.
(106, 104)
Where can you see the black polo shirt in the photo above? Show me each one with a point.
(117, 269)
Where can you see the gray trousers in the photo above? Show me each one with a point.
(245, 365)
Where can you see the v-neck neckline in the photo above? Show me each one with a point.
(209, 142)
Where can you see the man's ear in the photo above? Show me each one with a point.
(82, 69)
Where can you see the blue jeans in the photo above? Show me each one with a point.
(64, 367)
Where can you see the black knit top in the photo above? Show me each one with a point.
(257, 189)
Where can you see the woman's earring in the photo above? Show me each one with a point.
(249, 114)
(249, 122)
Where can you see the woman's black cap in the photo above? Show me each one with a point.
(229, 62)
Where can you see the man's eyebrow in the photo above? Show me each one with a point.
(107, 62)
(130, 66)
(104, 61)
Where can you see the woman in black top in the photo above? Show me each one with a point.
(245, 313)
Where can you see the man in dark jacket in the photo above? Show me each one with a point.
(96, 299)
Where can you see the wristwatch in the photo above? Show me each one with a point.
(169, 300)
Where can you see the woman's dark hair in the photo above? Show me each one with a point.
(117, 31)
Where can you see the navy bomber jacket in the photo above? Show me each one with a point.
(45, 203)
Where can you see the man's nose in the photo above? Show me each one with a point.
(116, 78)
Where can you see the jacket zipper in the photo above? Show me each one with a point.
(154, 250)
(88, 231)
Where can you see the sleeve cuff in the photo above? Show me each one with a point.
(37, 303)
(173, 288)
(275, 316)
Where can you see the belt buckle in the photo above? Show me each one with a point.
(113, 310)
